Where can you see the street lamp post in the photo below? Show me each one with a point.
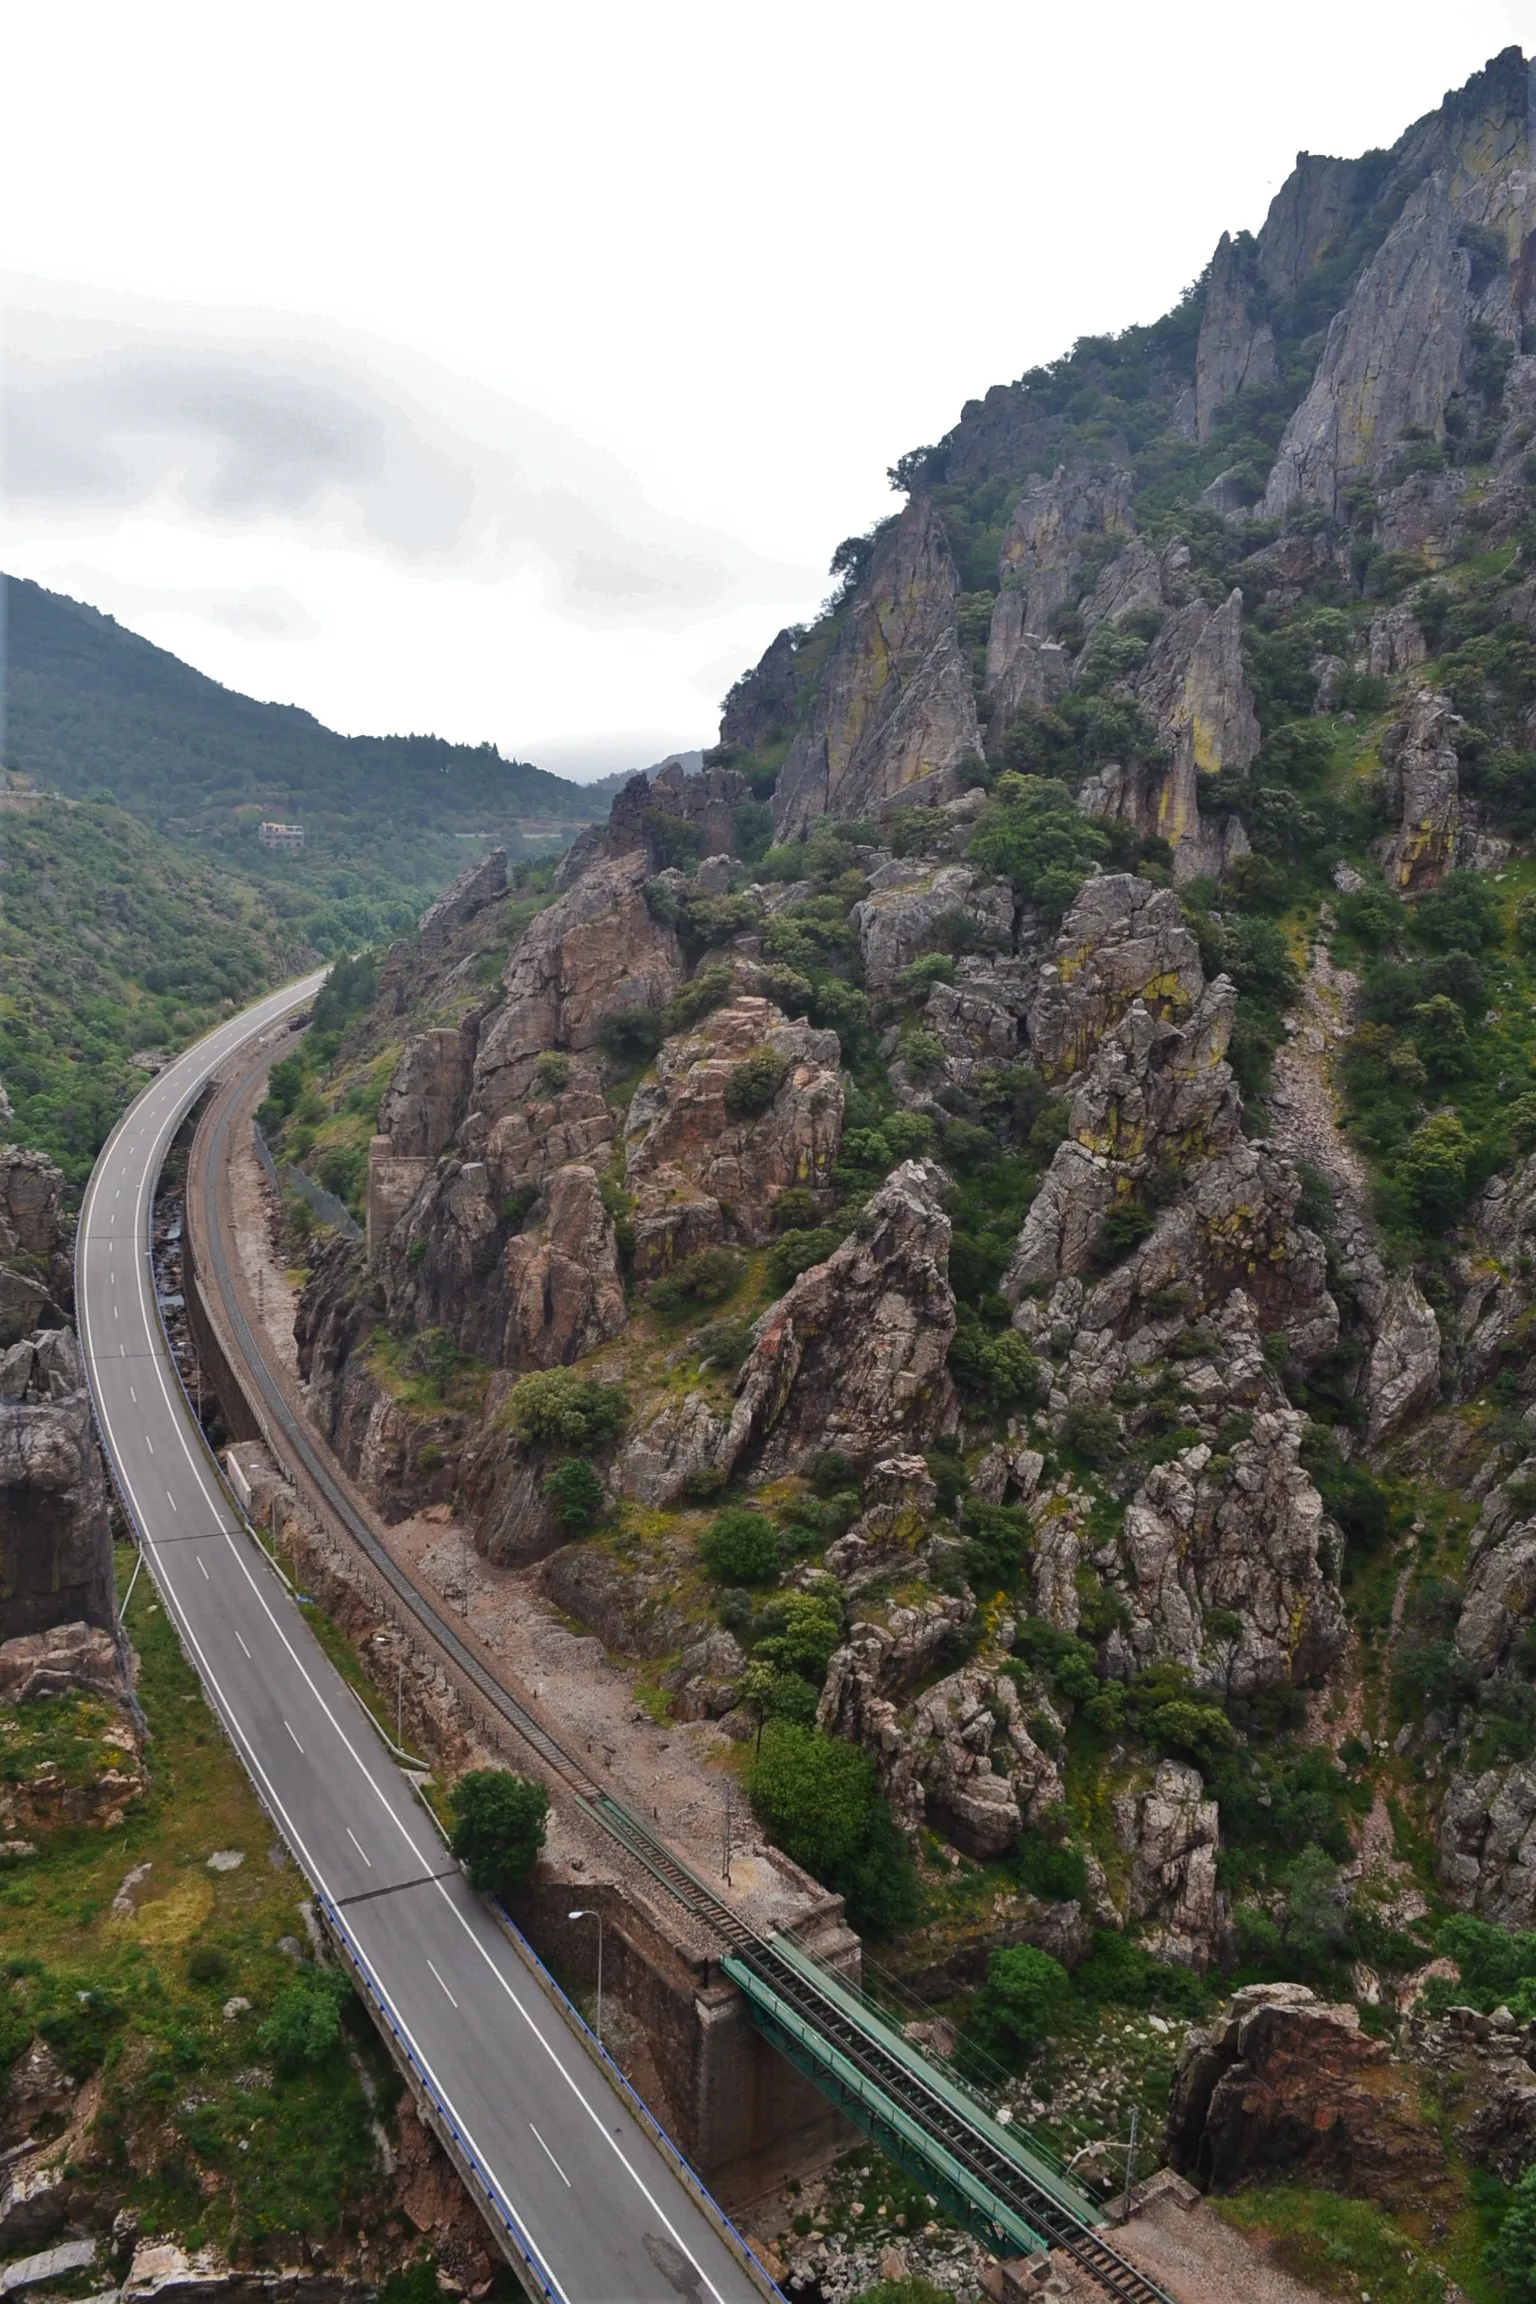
(583, 1914)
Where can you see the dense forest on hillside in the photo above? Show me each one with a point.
(92, 709)
(113, 943)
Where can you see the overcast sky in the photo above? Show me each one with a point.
(511, 371)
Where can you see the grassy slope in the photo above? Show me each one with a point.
(205, 2139)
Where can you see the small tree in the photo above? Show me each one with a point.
(751, 1085)
(577, 1494)
(499, 1825)
(305, 2023)
(1017, 2007)
(739, 1547)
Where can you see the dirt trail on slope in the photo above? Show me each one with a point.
(1303, 1105)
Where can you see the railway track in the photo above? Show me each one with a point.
(988, 2173)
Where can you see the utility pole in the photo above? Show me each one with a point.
(729, 1819)
(1130, 2162)
(583, 1914)
(400, 1702)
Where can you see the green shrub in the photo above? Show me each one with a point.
(708, 1276)
(1058, 1875)
(997, 1545)
(1093, 1433)
(305, 2024)
(551, 1072)
(1125, 1975)
(795, 1252)
(1433, 1169)
(751, 1085)
(630, 1035)
(739, 1547)
(710, 989)
(1123, 1228)
(803, 1630)
(724, 1344)
(820, 1798)
(1512, 2252)
(1023, 1999)
(556, 1404)
(499, 1822)
(794, 1209)
(1033, 834)
(1001, 1368)
(929, 968)
(577, 1494)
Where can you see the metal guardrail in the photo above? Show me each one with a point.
(472, 2172)
(687, 2176)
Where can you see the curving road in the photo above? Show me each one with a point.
(589, 2202)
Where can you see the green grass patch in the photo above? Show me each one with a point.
(206, 2137)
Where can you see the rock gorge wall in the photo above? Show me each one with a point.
(55, 1530)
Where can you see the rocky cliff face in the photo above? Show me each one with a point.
(35, 1277)
(895, 718)
(55, 1535)
(1072, 1194)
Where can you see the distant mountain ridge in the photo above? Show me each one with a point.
(90, 705)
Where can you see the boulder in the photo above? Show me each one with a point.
(1487, 1843)
(1285, 2089)
(894, 718)
(761, 705)
(66, 1656)
(1422, 794)
(1479, 2068)
(1393, 357)
(909, 905)
(36, 1283)
(1250, 1539)
(531, 1291)
(1396, 644)
(647, 810)
(1193, 686)
(1123, 940)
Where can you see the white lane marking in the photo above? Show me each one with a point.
(170, 1499)
(357, 1844)
(298, 1747)
(149, 1444)
(117, 1310)
(549, 2156)
(133, 1396)
(433, 1966)
(245, 1652)
(202, 1563)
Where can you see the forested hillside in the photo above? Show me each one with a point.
(93, 709)
(113, 943)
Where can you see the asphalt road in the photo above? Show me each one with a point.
(599, 2209)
